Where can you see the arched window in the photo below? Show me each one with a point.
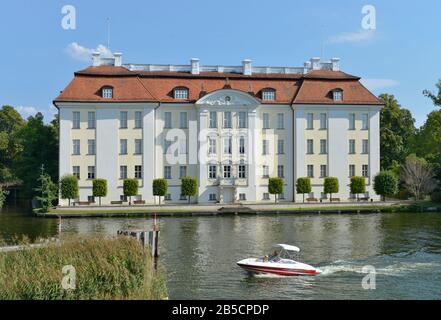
(269, 94)
(107, 92)
(180, 93)
(337, 95)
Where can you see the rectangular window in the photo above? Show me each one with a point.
(310, 121)
(182, 172)
(323, 121)
(138, 146)
(91, 199)
(242, 119)
(107, 93)
(364, 121)
(123, 146)
(265, 147)
(352, 121)
(123, 120)
(242, 145)
(310, 146)
(91, 121)
(265, 171)
(323, 146)
(281, 171)
(266, 196)
(266, 121)
(138, 172)
(183, 145)
(211, 145)
(280, 121)
(167, 172)
(242, 171)
(76, 147)
(181, 93)
(123, 172)
(365, 170)
(183, 120)
(280, 146)
(310, 171)
(91, 149)
(167, 120)
(323, 171)
(268, 95)
(76, 120)
(227, 145)
(212, 172)
(352, 170)
(168, 197)
(212, 197)
(138, 119)
(213, 119)
(91, 172)
(365, 146)
(242, 197)
(167, 145)
(76, 171)
(227, 172)
(351, 146)
(227, 119)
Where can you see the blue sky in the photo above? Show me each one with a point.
(402, 56)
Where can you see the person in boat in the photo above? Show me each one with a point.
(275, 257)
(265, 259)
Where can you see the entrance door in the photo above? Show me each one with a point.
(228, 195)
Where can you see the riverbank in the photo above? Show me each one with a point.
(210, 210)
(103, 267)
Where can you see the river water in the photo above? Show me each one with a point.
(200, 253)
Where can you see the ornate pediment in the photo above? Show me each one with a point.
(228, 97)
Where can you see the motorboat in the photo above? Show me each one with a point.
(281, 263)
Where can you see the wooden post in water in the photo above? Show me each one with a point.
(154, 239)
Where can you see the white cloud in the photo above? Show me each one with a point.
(352, 37)
(26, 111)
(78, 52)
(374, 84)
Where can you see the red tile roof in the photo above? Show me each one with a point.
(312, 88)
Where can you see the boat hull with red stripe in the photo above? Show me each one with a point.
(283, 267)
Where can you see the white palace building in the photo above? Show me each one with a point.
(231, 127)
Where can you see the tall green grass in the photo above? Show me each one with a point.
(106, 268)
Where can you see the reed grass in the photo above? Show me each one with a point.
(106, 268)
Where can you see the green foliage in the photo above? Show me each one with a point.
(106, 269)
(69, 187)
(436, 196)
(160, 188)
(276, 186)
(189, 187)
(303, 186)
(47, 192)
(3, 194)
(385, 184)
(436, 97)
(358, 185)
(331, 185)
(397, 131)
(130, 188)
(99, 188)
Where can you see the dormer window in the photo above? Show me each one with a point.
(180, 93)
(107, 92)
(337, 95)
(268, 94)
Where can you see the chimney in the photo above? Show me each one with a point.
(118, 59)
(195, 66)
(335, 64)
(247, 68)
(315, 62)
(96, 60)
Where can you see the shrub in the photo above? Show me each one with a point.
(331, 186)
(160, 188)
(303, 186)
(189, 187)
(99, 188)
(130, 188)
(3, 194)
(106, 268)
(69, 187)
(358, 185)
(436, 196)
(275, 187)
(385, 184)
(47, 192)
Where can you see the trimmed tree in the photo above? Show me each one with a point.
(69, 187)
(385, 184)
(130, 188)
(275, 187)
(99, 188)
(160, 188)
(303, 186)
(358, 185)
(47, 192)
(189, 187)
(331, 186)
